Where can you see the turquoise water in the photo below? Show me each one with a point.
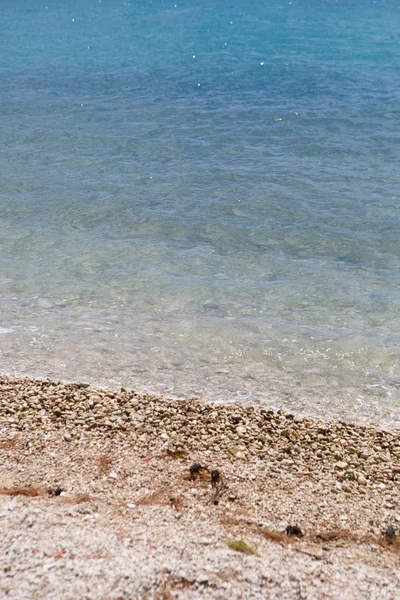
(203, 199)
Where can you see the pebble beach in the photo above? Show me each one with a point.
(107, 494)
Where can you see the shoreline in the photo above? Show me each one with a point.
(315, 399)
(66, 404)
(129, 466)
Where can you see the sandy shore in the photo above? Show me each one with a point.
(108, 495)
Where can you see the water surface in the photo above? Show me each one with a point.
(203, 199)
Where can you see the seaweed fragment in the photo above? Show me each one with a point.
(215, 477)
(197, 469)
(105, 463)
(30, 491)
(219, 486)
(294, 530)
(56, 492)
(390, 534)
(240, 546)
(7, 444)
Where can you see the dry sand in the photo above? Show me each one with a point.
(98, 500)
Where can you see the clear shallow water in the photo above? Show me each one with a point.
(204, 199)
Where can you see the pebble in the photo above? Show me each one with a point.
(245, 433)
(341, 465)
(252, 577)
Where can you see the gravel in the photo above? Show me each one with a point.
(130, 519)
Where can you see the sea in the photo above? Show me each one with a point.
(202, 199)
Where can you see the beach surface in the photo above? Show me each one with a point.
(111, 495)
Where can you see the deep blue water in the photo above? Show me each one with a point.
(203, 198)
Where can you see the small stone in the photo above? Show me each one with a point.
(67, 437)
(341, 465)
(202, 578)
(113, 475)
(362, 480)
(252, 577)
